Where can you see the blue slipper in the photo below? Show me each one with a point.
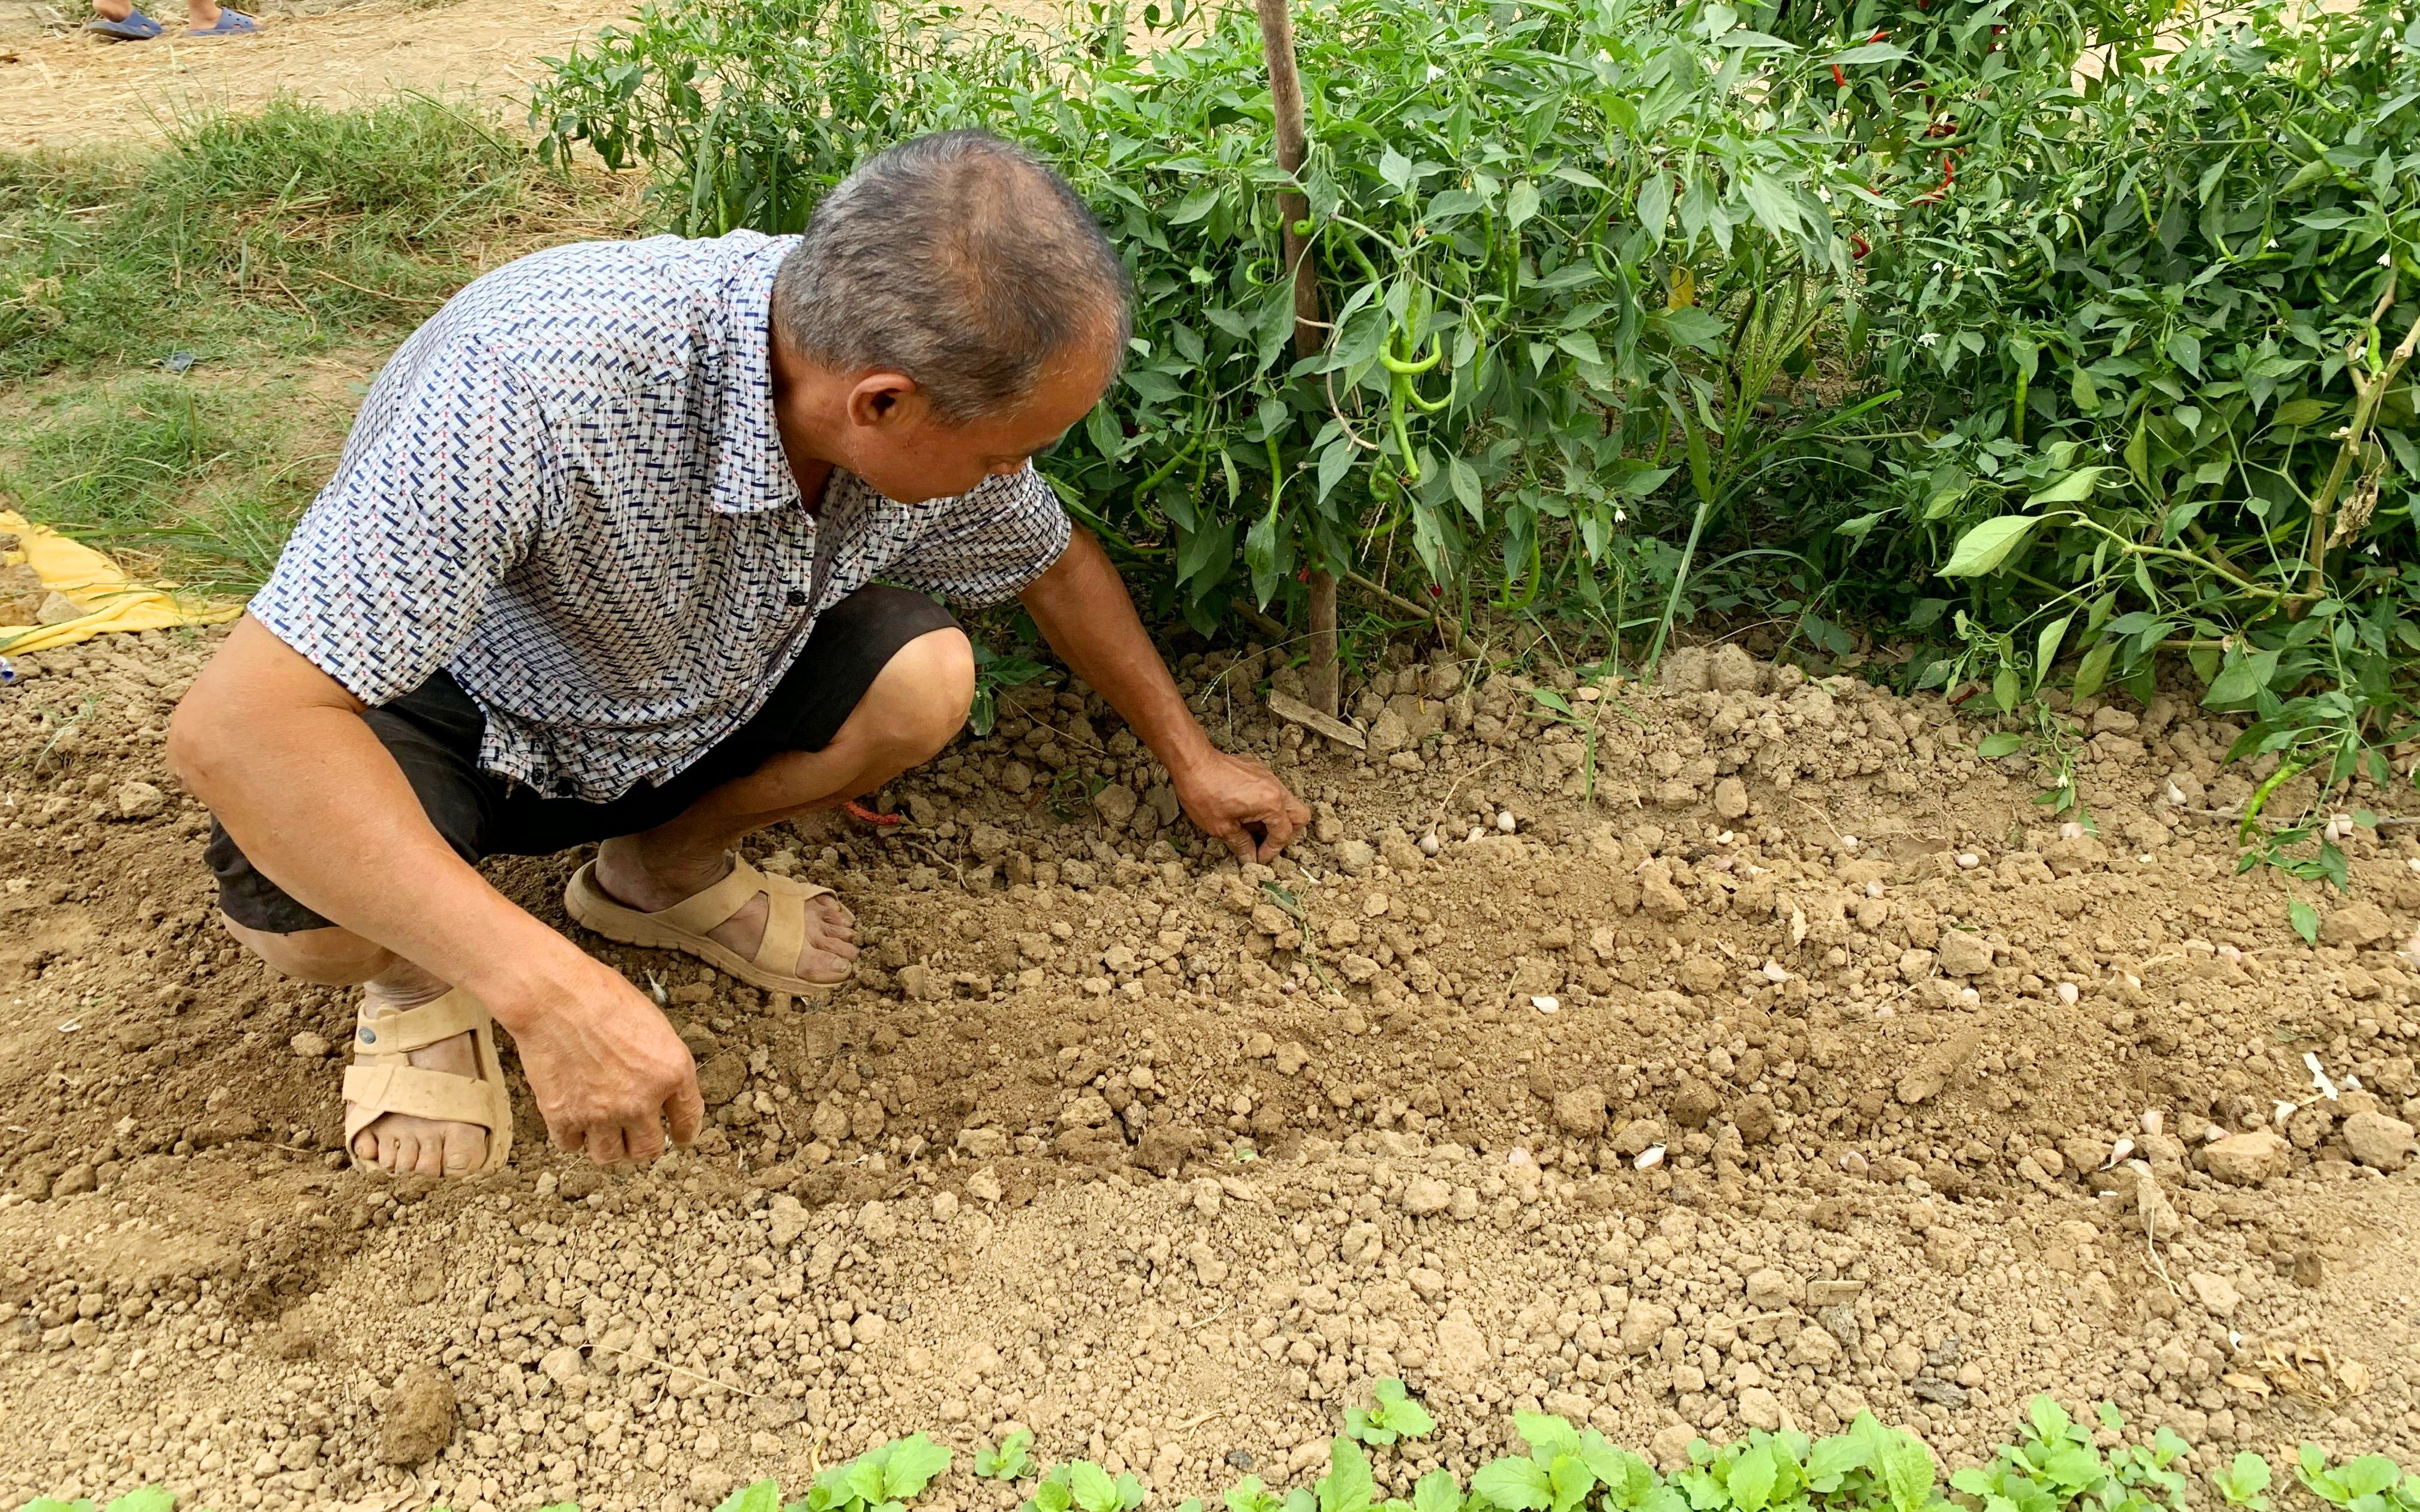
(136, 27)
(230, 24)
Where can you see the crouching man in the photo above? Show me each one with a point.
(598, 567)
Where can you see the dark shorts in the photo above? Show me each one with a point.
(433, 733)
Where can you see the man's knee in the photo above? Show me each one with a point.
(919, 700)
(331, 957)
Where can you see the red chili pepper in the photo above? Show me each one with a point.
(880, 821)
(1839, 80)
(1858, 242)
(1948, 177)
(1877, 36)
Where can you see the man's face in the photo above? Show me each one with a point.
(895, 443)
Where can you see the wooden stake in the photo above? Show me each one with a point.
(1285, 100)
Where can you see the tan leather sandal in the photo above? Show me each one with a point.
(686, 924)
(382, 1080)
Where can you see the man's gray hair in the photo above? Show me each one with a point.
(961, 261)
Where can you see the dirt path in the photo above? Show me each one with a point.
(74, 90)
(1798, 1069)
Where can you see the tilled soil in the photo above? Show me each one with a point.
(1779, 1059)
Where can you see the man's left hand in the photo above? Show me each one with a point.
(1237, 800)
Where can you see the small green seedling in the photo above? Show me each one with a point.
(1009, 1462)
(149, 1498)
(2244, 1481)
(1082, 1486)
(1392, 1414)
(2372, 1483)
(879, 1480)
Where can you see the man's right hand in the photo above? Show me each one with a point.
(604, 1065)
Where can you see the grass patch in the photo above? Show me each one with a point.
(290, 229)
(181, 479)
(241, 249)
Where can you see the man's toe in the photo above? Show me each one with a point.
(430, 1158)
(466, 1149)
(398, 1152)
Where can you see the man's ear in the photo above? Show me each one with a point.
(886, 399)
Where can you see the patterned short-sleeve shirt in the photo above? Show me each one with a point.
(568, 490)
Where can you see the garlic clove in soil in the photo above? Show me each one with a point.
(1649, 1158)
(1429, 846)
(2069, 993)
(2070, 830)
(1968, 860)
(1505, 821)
(1546, 1005)
(1476, 833)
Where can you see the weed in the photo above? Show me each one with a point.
(2372, 1483)
(2244, 1482)
(1010, 1461)
(1081, 1486)
(995, 670)
(1392, 1414)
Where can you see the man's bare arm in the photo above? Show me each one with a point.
(1090, 621)
(279, 752)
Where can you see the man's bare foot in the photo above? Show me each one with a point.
(400, 1142)
(626, 875)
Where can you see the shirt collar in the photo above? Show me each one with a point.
(751, 473)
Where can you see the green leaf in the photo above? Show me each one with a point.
(1195, 206)
(2298, 412)
(1582, 345)
(2093, 671)
(1907, 1470)
(1464, 480)
(2050, 1420)
(1249, 1495)
(1753, 1476)
(2369, 1476)
(2306, 920)
(2001, 743)
(1984, 547)
(911, 1466)
(1656, 205)
(762, 1496)
(1773, 206)
(2046, 647)
(2247, 1476)
(2074, 488)
(1548, 1435)
(1569, 1480)
(2087, 398)
(1833, 1455)
(1868, 52)
(1437, 1491)
(145, 1499)
(1092, 1487)
(1520, 205)
(1514, 1484)
(1348, 1486)
(2240, 678)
